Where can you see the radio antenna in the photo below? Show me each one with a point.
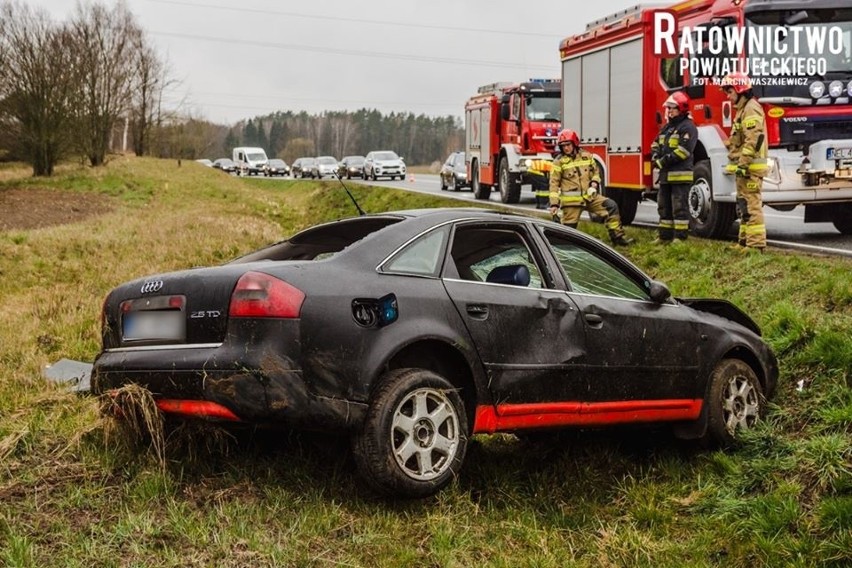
(358, 207)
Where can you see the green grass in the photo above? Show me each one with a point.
(74, 491)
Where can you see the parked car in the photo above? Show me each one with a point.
(324, 166)
(351, 166)
(205, 162)
(301, 168)
(413, 330)
(276, 167)
(383, 163)
(454, 172)
(226, 165)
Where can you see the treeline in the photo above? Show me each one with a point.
(94, 85)
(420, 139)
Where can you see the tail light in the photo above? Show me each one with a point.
(259, 295)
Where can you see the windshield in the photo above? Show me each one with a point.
(544, 109)
(255, 156)
(817, 42)
(326, 161)
(354, 161)
(386, 156)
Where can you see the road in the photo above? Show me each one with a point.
(785, 229)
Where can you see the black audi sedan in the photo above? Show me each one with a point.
(414, 330)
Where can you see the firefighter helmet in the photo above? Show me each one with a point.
(568, 135)
(738, 81)
(679, 101)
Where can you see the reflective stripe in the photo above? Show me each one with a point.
(666, 224)
(572, 200)
(758, 165)
(681, 225)
(752, 121)
(681, 152)
(748, 152)
(680, 176)
(755, 229)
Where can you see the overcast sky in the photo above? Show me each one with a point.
(239, 59)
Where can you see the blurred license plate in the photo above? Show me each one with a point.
(839, 153)
(153, 325)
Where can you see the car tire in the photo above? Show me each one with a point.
(843, 218)
(735, 402)
(414, 436)
(453, 186)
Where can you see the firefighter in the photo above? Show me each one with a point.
(671, 153)
(538, 171)
(575, 185)
(747, 159)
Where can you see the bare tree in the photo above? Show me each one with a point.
(149, 83)
(38, 75)
(105, 41)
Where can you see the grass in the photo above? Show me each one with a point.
(77, 491)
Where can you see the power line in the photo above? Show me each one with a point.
(326, 18)
(357, 53)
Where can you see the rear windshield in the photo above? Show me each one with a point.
(322, 241)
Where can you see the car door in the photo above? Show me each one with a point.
(637, 349)
(529, 335)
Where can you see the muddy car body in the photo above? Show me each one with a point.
(414, 330)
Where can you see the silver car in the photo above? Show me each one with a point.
(324, 166)
(383, 163)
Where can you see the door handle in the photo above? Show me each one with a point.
(593, 320)
(477, 311)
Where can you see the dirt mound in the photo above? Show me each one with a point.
(23, 209)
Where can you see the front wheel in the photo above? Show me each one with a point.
(414, 437)
(734, 402)
(707, 218)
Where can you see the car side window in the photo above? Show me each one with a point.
(497, 254)
(588, 273)
(421, 256)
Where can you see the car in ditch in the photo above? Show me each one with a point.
(414, 330)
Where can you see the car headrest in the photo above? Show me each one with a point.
(512, 274)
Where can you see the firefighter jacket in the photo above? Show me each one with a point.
(747, 142)
(571, 177)
(672, 150)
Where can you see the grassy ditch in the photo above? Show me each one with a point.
(76, 490)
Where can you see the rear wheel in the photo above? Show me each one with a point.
(510, 189)
(734, 402)
(627, 201)
(708, 218)
(480, 190)
(414, 436)
(843, 218)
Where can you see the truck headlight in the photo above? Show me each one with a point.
(817, 89)
(835, 89)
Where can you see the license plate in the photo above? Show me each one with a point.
(839, 153)
(153, 325)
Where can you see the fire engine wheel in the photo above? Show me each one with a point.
(708, 218)
(843, 219)
(510, 189)
(480, 190)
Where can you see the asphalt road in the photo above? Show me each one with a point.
(785, 229)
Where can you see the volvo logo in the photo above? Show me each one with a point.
(152, 286)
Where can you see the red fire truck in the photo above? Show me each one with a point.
(614, 85)
(506, 126)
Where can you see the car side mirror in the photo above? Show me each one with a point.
(659, 292)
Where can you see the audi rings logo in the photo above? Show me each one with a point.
(152, 286)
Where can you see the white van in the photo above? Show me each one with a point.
(250, 161)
